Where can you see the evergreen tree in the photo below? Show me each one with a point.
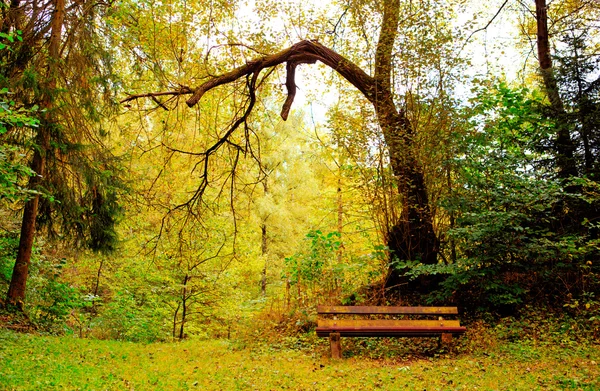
(577, 76)
(63, 67)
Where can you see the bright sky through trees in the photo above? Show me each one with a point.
(491, 46)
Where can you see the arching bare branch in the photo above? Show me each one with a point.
(304, 52)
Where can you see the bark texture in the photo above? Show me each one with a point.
(565, 147)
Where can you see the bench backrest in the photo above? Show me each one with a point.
(366, 310)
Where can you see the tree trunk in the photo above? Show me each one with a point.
(413, 237)
(565, 147)
(184, 297)
(340, 216)
(175, 320)
(16, 291)
(264, 245)
(263, 250)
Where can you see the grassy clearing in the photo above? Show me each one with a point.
(29, 362)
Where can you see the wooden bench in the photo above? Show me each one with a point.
(335, 328)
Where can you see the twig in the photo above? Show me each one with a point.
(485, 27)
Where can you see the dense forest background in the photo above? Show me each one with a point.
(461, 168)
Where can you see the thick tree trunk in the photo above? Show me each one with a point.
(16, 291)
(565, 147)
(413, 237)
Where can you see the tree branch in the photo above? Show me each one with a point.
(486, 26)
(290, 83)
(184, 90)
(306, 51)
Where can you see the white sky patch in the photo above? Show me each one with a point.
(494, 50)
(312, 94)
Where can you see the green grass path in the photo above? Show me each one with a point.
(29, 362)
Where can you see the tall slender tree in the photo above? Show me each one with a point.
(62, 68)
(16, 292)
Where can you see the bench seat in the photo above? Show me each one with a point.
(388, 327)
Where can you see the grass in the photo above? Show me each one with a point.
(480, 361)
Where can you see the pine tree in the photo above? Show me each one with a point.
(62, 67)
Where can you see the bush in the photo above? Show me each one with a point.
(519, 235)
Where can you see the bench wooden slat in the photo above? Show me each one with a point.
(385, 323)
(365, 310)
(391, 332)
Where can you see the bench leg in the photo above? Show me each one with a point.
(445, 340)
(336, 346)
